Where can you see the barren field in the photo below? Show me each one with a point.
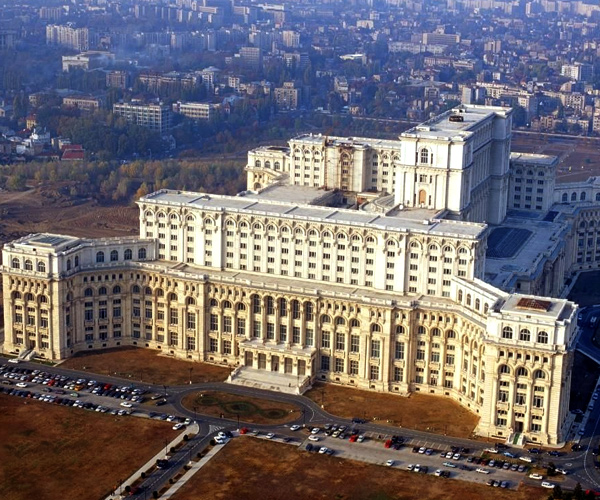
(253, 468)
(146, 365)
(46, 210)
(49, 452)
(579, 158)
(419, 411)
(253, 410)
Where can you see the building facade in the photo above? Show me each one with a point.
(282, 279)
(156, 117)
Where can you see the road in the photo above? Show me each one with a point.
(580, 464)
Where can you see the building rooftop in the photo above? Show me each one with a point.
(289, 210)
(356, 142)
(535, 308)
(546, 160)
(456, 124)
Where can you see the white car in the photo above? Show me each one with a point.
(219, 440)
(126, 404)
(294, 427)
(564, 472)
(222, 435)
(270, 435)
(21, 384)
(438, 473)
(360, 438)
(14, 361)
(315, 430)
(422, 450)
(312, 437)
(526, 459)
(390, 463)
(546, 484)
(323, 450)
(178, 426)
(482, 471)
(536, 476)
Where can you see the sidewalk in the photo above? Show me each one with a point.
(195, 468)
(193, 429)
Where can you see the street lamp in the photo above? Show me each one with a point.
(165, 387)
(195, 408)
(191, 369)
(303, 417)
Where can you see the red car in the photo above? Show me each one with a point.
(354, 437)
(244, 430)
(388, 443)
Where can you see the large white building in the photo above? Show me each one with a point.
(335, 267)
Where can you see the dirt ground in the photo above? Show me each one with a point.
(579, 158)
(253, 468)
(253, 410)
(49, 452)
(146, 365)
(45, 210)
(419, 411)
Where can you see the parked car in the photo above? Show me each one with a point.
(390, 463)
(547, 484)
(536, 476)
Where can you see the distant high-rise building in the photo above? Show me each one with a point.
(251, 57)
(68, 36)
(579, 72)
(156, 117)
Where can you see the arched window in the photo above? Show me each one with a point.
(400, 330)
(460, 295)
(542, 337)
(226, 304)
(190, 301)
(43, 299)
(477, 304)
(375, 328)
(565, 198)
(485, 308)
(282, 307)
(270, 305)
(325, 319)
(76, 260)
(172, 297)
(29, 297)
(525, 335)
(277, 165)
(597, 196)
(148, 290)
(88, 292)
(340, 321)
(450, 334)
(435, 332)
(160, 293)
(141, 253)
(69, 297)
(241, 307)
(354, 323)
(15, 264)
(257, 163)
(68, 264)
(128, 255)
(114, 256)
(424, 156)
(573, 196)
(504, 369)
(421, 330)
(100, 257)
(135, 289)
(28, 265)
(17, 295)
(539, 374)
(522, 372)
(214, 303)
(256, 304)
(309, 311)
(468, 299)
(102, 290)
(507, 332)
(116, 290)
(582, 196)
(41, 267)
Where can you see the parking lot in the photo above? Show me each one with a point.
(427, 455)
(92, 395)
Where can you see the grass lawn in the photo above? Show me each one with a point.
(49, 452)
(253, 468)
(146, 365)
(253, 410)
(419, 411)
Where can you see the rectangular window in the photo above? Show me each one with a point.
(191, 321)
(339, 365)
(375, 348)
(374, 372)
(241, 326)
(227, 324)
(296, 335)
(227, 347)
(340, 341)
(310, 337)
(325, 363)
(173, 317)
(398, 374)
(326, 340)
(399, 351)
(353, 367)
(256, 329)
(214, 322)
(283, 333)
(214, 345)
(449, 359)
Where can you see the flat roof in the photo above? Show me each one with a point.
(557, 309)
(442, 127)
(294, 194)
(546, 160)
(348, 141)
(290, 210)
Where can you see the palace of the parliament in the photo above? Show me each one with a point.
(434, 263)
